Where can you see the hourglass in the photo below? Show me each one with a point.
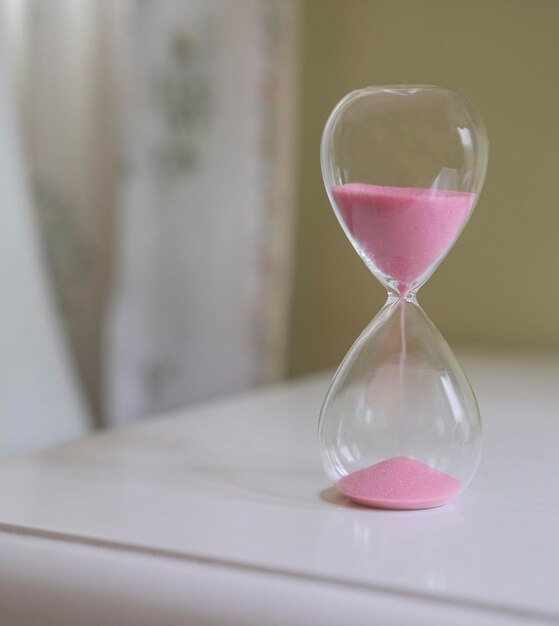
(403, 167)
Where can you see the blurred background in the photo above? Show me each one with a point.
(164, 226)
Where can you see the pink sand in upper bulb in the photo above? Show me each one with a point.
(399, 483)
(402, 230)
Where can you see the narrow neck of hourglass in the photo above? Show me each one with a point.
(395, 295)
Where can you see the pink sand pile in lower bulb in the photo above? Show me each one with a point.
(399, 483)
(403, 231)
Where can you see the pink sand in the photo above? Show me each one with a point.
(399, 483)
(404, 231)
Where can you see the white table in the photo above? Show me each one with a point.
(221, 515)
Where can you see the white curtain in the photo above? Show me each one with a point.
(61, 60)
(161, 144)
(40, 401)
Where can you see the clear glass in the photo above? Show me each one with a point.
(403, 167)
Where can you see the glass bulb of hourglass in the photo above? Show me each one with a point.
(403, 166)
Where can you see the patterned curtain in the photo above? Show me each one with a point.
(160, 136)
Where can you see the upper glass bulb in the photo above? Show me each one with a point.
(403, 166)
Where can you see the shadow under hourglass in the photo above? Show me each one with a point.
(420, 550)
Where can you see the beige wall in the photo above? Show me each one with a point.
(500, 285)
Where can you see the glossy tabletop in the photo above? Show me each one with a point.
(233, 494)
